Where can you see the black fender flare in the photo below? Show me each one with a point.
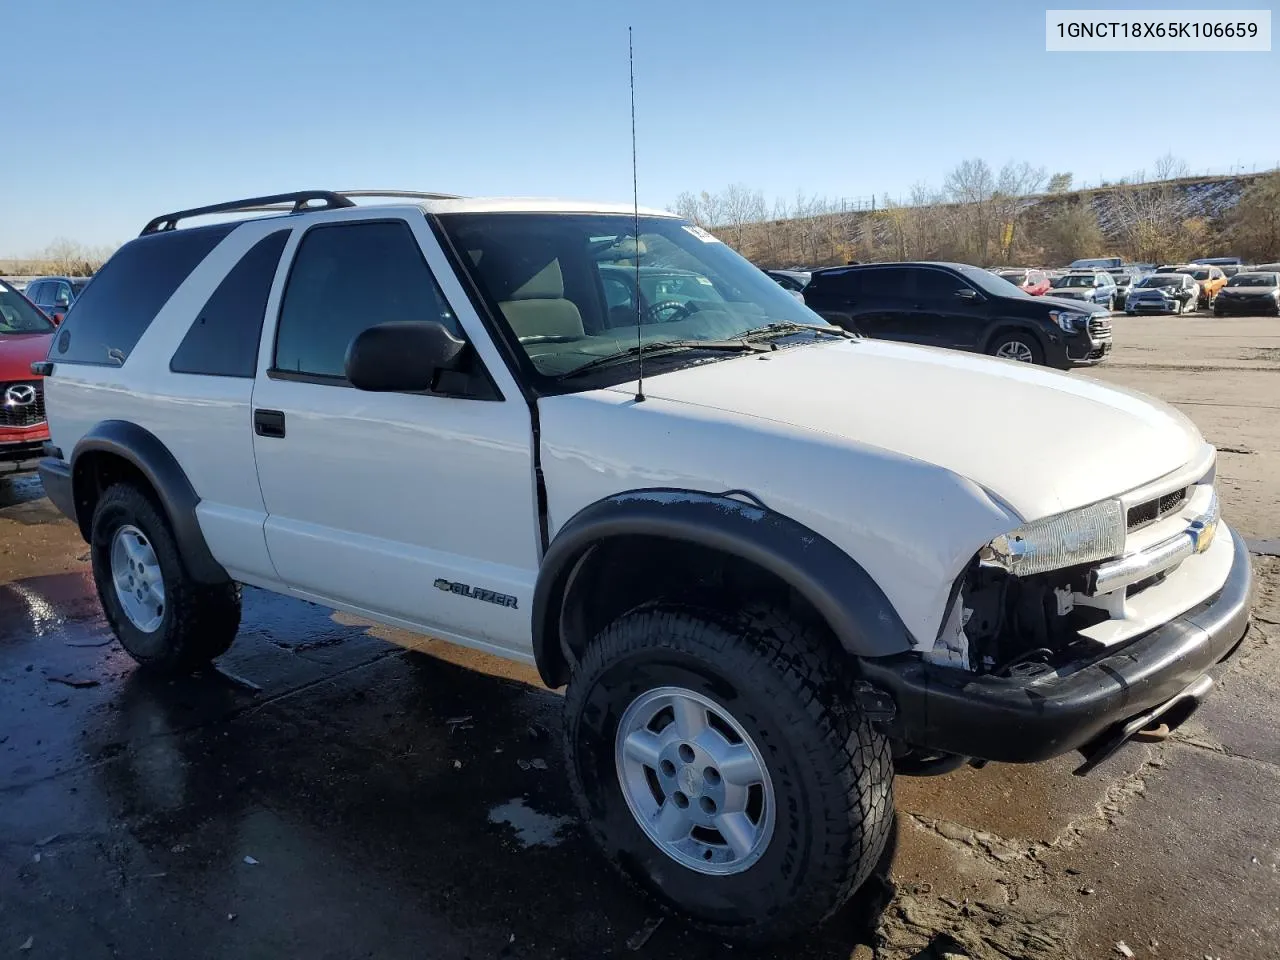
(843, 593)
(176, 495)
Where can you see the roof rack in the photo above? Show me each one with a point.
(301, 200)
(288, 203)
(406, 194)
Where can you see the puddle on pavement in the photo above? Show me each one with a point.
(533, 829)
(19, 488)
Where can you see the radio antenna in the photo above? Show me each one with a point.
(635, 206)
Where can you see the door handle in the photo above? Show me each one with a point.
(268, 423)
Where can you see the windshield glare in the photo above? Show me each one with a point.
(19, 316)
(1074, 281)
(1254, 280)
(566, 284)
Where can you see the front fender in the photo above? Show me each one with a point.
(842, 592)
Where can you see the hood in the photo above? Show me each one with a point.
(1071, 293)
(1247, 291)
(19, 350)
(1154, 291)
(1055, 298)
(1039, 440)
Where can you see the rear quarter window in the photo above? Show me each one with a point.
(106, 322)
(844, 284)
(223, 339)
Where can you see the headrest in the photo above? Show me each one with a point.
(517, 277)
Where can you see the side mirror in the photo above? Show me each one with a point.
(402, 357)
(967, 294)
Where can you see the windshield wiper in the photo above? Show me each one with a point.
(779, 327)
(664, 347)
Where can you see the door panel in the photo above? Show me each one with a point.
(944, 315)
(417, 508)
(883, 309)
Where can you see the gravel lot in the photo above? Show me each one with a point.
(331, 795)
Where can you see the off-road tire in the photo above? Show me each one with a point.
(200, 620)
(831, 769)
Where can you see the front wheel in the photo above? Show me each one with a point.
(1022, 347)
(722, 764)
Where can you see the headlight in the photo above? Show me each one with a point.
(1078, 536)
(1069, 320)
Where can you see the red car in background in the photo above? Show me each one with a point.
(1034, 282)
(25, 334)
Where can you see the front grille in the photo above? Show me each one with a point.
(15, 414)
(1149, 511)
(1099, 328)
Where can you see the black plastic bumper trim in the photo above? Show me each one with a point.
(1025, 721)
(55, 474)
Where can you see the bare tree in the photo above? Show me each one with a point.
(688, 206)
(1070, 232)
(1253, 225)
(1169, 167)
(1150, 216)
(1015, 183)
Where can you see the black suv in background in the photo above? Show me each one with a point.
(962, 307)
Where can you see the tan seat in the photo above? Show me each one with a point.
(537, 307)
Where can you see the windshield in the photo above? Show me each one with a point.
(1076, 280)
(1198, 274)
(1159, 281)
(1254, 280)
(988, 282)
(566, 284)
(19, 316)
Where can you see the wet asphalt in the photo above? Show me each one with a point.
(325, 793)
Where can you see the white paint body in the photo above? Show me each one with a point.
(909, 459)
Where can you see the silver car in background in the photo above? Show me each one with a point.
(1163, 293)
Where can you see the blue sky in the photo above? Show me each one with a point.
(135, 107)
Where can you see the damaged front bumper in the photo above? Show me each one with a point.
(1090, 705)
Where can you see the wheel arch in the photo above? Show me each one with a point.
(1005, 325)
(118, 450)
(674, 534)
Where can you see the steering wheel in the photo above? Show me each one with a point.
(653, 313)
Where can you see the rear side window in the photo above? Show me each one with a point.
(885, 282)
(223, 339)
(346, 278)
(846, 284)
(114, 311)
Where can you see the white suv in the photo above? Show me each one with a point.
(785, 565)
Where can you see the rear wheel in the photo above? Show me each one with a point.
(1015, 345)
(723, 766)
(164, 619)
